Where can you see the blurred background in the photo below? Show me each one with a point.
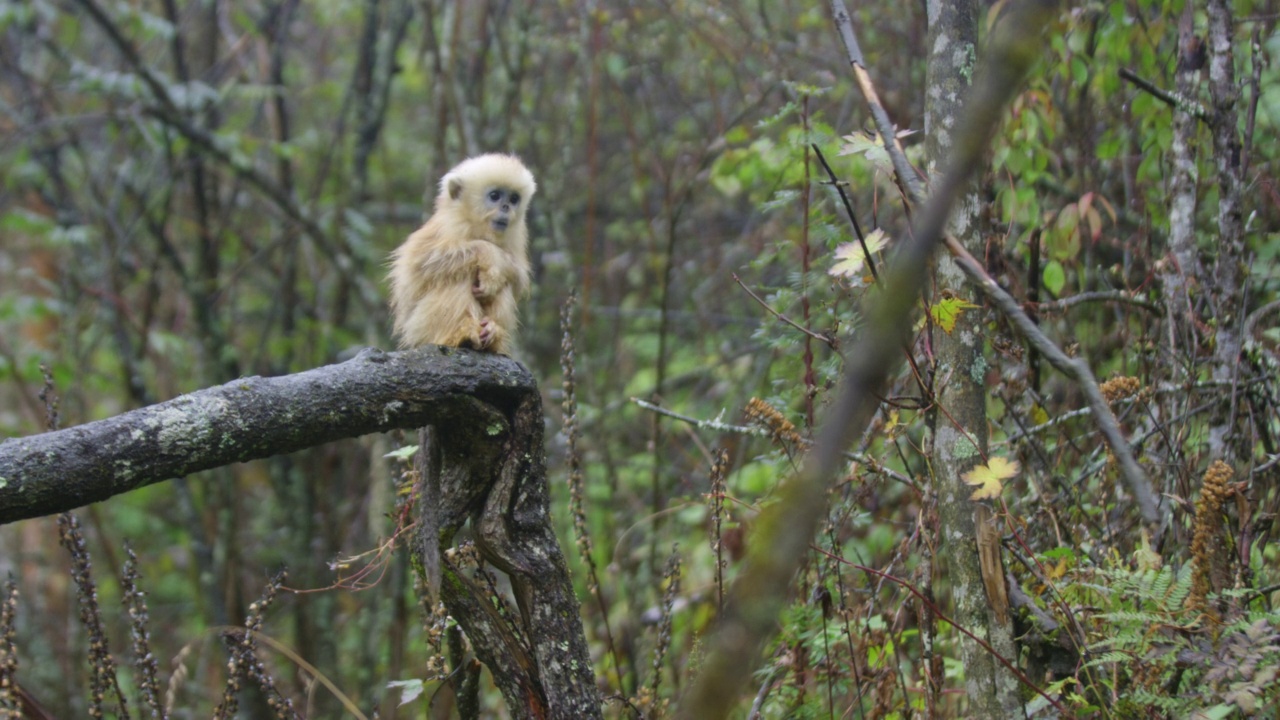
(195, 191)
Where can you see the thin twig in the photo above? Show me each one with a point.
(1172, 99)
(1080, 412)
(1118, 296)
(1251, 322)
(830, 341)
(871, 463)
(168, 112)
(1022, 677)
(848, 208)
(569, 407)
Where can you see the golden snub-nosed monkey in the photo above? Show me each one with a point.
(456, 279)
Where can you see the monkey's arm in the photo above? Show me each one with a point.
(497, 271)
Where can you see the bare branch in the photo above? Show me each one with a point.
(906, 175)
(870, 463)
(1118, 296)
(830, 341)
(1172, 99)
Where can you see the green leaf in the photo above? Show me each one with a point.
(1079, 71)
(1217, 712)
(870, 146)
(1063, 240)
(1059, 553)
(1055, 278)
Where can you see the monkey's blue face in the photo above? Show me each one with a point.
(502, 205)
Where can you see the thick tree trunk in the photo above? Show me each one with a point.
(1181, 268)
(968, 537)
(1226, 286)
(486, 465)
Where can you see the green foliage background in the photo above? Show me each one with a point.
(670, 142)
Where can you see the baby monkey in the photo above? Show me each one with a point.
(456, 279)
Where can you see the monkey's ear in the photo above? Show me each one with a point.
(453, 184)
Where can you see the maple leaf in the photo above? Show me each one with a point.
(990, 477)
(869, 145)
(850, 258)
(947, 312)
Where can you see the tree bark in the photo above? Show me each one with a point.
(969, 536)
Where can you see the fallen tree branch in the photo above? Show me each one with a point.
(247, 419)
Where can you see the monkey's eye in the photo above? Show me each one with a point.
(495, 195)
(515, 198)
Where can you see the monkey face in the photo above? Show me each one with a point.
(488, 195)
(501, 206)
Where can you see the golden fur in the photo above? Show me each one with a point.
(456, 279)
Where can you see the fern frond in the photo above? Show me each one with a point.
(1132, 617)
(1179, 591)
(1115, 656)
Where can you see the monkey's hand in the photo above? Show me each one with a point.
(492, 336)
(479, 337)
(494, 271)
(487, 283)
(486, 332)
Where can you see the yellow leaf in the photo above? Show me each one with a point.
(869, 146)
(849, 261)
(1144, 556)
(892, 425)
(947, 311)
(990, 477)
(850, 257)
